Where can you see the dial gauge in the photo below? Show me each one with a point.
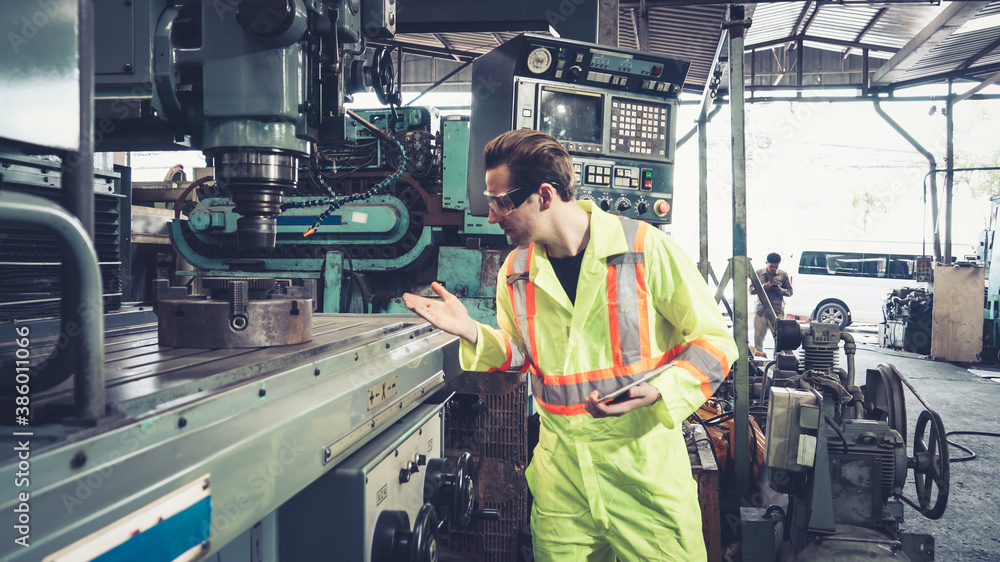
(539, 60)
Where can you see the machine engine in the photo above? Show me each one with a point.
(839, 453)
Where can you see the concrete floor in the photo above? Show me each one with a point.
(966, 402)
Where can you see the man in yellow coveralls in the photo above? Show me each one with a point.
(587, 303)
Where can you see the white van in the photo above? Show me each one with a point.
(841, 287)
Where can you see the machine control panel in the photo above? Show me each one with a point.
(595, 65)
(614, 110)
(623, 189)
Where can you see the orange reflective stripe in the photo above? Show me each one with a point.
(606, 373)
(643, 292)
(510, 354)
(572, 410)
(695, 372)
(714, 352)
(616, 348)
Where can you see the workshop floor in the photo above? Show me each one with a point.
(967, 397)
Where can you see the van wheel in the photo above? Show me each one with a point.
(833, 313)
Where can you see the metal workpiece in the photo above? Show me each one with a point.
(237, 313)
(212, 324)
(257, 420)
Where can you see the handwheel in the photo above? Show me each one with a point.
(383, 77)
(931, 468)
(423, 541)
(453, 492)
(394, 542)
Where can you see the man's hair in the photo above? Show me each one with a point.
(773, 258)
(533, 158)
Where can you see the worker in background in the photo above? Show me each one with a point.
(586, 303)
(777, 285)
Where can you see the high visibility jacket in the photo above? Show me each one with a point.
(599, 343)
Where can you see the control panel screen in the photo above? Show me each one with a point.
(570, 116)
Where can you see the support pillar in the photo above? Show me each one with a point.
(741, 373)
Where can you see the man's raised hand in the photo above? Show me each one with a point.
(448, 314)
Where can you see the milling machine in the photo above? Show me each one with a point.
(231, 418)
(205, 428)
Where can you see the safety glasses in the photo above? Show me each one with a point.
(506, 203)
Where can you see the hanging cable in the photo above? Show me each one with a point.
(335, 202)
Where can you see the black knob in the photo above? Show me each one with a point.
(404, 476)
(642, 207)
(605, 204)
(573, 74)
(624, 205)
(420, 459)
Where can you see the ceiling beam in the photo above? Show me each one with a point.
(944, 77)
(935, 33)
(865, 31)
(426, 50)
(826, 40)
(806, 7)
(977, 88)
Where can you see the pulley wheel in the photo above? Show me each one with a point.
(931, 466)
(787, 335)
(884, 398)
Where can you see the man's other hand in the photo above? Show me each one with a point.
(640, 396)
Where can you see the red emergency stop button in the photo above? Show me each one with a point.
(656, 70)
(661, 208)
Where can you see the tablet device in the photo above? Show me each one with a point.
(621, 394)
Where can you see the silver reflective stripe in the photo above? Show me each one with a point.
(626, 258)
(627, 296)
(518, 280)
(516, 359)
(704, 362)
(572, 394)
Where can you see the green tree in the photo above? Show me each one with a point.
(869, 203)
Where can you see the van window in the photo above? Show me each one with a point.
(855, 264)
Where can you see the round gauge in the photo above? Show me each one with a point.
(539, 60)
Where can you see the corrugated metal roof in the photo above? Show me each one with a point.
(693, 31)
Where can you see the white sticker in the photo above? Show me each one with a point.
(359, 218)
(807, 450)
